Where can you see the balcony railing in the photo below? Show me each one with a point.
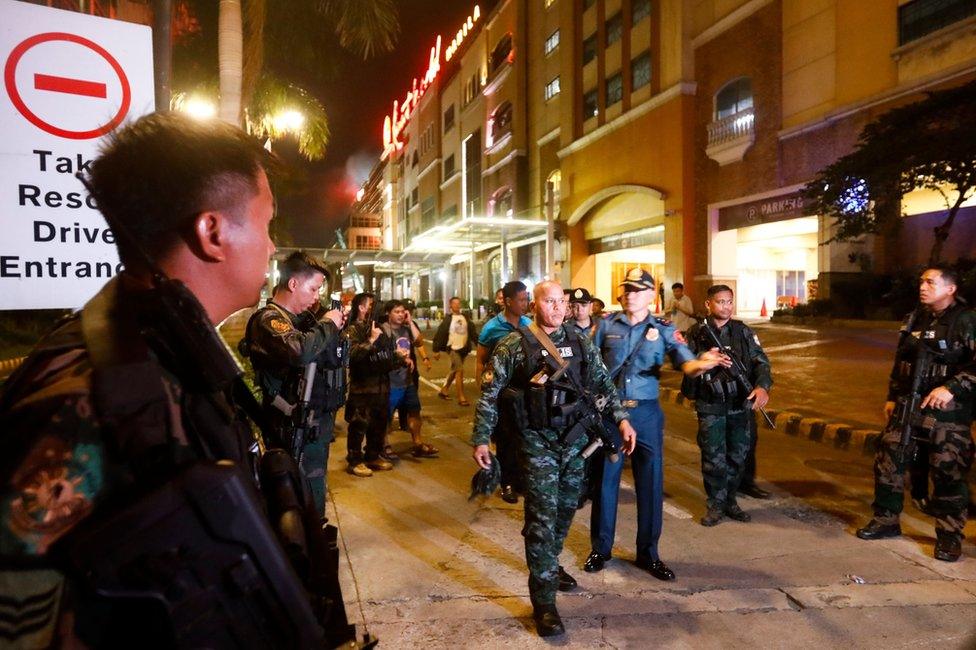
(731, 128)
(731, 136)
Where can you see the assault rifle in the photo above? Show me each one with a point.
(906, 418)
(593, 419)
(738, 370)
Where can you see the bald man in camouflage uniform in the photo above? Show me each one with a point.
(947, 329)
(551, 466)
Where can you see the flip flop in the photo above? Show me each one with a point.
(443, 396)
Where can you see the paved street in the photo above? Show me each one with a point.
(424, 567)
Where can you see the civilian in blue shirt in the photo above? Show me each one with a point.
(516, 297)
(633, 344)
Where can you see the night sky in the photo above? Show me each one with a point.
(356, 102)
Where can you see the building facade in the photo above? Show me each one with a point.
(577, 138)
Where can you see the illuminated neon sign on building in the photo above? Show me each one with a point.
(395, 122)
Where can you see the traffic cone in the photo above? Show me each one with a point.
(763, 312)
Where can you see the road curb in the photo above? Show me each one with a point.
(7, 366)
(839, 435)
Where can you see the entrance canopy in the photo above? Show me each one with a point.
(383, 261)
(477, 234)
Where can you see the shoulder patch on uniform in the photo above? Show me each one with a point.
(280, 326)
(679, 337)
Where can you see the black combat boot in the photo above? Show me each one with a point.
(735, 512)
(876, 530)
(547, 621)
(566, 581)
(948, 546)
(712, 517)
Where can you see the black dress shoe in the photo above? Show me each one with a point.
(948, 548)
(877, 530)
(547, 621)
(754, 491)
(508, 494)
(566, 581)
(735, 512)
(595, 562)
(656, 568)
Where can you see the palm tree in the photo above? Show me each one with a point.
(295, 35)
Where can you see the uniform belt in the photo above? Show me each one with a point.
(629, 403)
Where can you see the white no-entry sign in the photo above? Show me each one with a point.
(69, 80)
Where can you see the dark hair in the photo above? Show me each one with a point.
(298, 265)
(358, 300)
(949, 274)
(677, 285)
(458, 298)
(719, 288)
(513, 289)
(602, 304)
(158, 173)
(393, 304)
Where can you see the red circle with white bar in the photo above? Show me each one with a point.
(67, 85)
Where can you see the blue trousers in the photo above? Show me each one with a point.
(648, 468)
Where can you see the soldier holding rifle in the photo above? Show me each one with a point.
(282, 347)
(725, 401)
(930, 399)
(524, 374)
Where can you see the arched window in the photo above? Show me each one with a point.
(500, 123)
(501, 54)
(501, 203)
(734, 97)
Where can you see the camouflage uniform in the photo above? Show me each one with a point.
(951, 442)
(280, 345)
(552, 470)
(63, 462)
(725, 422)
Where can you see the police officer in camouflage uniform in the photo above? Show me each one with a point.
(281, 343)
(551, 465)
(723, 407)
(947, 328)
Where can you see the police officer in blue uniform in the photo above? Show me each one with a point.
(634, 344)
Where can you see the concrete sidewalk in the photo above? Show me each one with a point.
(424, 567)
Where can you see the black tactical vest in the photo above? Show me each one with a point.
(718, 385)
(938, 334)
(551, 405)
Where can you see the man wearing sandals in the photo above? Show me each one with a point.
(403, 391)
(455, 336)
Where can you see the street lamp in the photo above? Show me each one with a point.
(288, 120)
(195, 106)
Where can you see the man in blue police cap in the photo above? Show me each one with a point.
(633, 344)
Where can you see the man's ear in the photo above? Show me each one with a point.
(293, 283)
(209, 239)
